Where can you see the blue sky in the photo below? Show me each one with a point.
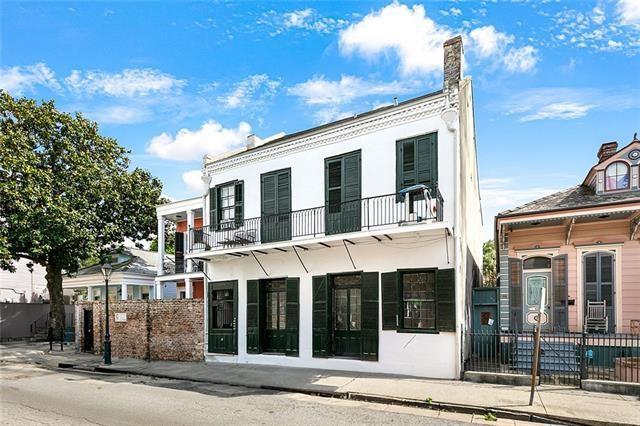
(174, 80)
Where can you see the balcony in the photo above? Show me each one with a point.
(179, 265)
(380, 212)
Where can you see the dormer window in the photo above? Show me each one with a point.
(616, 176)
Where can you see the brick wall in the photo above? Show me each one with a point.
(154, 329)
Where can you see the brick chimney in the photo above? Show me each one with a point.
(607, 150)
(452, 62)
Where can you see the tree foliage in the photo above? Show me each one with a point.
(489, 270)
(66, 192)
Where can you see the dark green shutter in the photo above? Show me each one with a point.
(370, 303)
(446, 300)
(275, 197)
(178, 252)
(213, 207)
(515, 294)
(427, 160)
(239, 203)
(559, 281)
(390, 301)
(253, 317)
(320, 319)
(292, 316)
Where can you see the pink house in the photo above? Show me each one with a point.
(582, 245)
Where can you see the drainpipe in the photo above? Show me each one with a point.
(451, 118)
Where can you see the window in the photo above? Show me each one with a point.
(417, 161)
(537, 263)
(276, 318)
(222, 308)
(227, 203)
(616, 176)
(419, 300)
(226, 206)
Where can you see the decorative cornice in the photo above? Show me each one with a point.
(385, 120)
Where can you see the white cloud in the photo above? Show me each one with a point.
(193, 181)
(490, 44)
(487, 41)
(455, 11)
(252, 90)
(567, 103)
(319, 91)
(329, 114)
(629, 12)
(406, 32)
(19, 80)
(191, 145)
(559, 111)
(128, 83)
(304, 19)
(119, 114)
(522, 59)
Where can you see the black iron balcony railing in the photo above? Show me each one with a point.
(332, 218)
(179, 265)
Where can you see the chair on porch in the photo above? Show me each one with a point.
(596, 318)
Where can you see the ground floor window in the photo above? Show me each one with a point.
(419, 300)
(345, 315)
(273, 316)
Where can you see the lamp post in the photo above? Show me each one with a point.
(106, 273)
(30, 267)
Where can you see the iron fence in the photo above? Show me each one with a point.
(565, 357)
(179, 266)
(332, 218)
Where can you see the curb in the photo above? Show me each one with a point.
(501, 413)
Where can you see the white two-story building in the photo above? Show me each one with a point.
(353, 245)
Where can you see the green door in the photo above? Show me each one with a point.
(275, 332)
(342, 194)
(223, 313)
(347, 323)
(276, 206)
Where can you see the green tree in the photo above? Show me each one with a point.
(489, 270)
(66, 192)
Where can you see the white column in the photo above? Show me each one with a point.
(123, 290)
(160, 245)
(159, 287)
(188, 289)
(89, 293)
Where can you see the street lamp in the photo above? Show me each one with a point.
(106, 273)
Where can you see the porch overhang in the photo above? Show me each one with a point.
(180, 276)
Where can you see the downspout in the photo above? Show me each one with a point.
(451, 117)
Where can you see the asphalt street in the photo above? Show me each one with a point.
(30, 394)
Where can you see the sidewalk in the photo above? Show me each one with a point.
(552, 402)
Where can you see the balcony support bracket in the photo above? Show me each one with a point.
(348, 252)
(300, 259)
(256, 258)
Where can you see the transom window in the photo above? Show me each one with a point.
(227, 203)
(419, 300)
(616, 176)
(538, 262)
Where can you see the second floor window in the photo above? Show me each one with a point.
(227, 203)
(616, 177)
(226, 206)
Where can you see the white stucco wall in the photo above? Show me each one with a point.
(378, 159)
(426, 355)
(20, 281)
